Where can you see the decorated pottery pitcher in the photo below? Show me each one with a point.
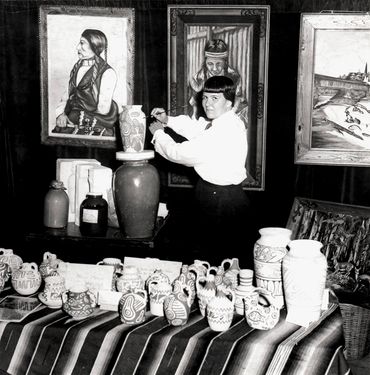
(4, 274)
(129, 280)
(220, 309)
(51, 296)
(258, 315)
(157, 294)
(49, 265)
(78, 302)
(132, 306)
(200, 267)
(177, 304)
(118, 268)
(231, 272)
(187, 278)
(7, 256)
(206, 290)
(26, 279)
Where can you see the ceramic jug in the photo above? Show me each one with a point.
(244, 288)
(4, 274)
(7, 256)
(158, 291)
(232, 271)
(132, 306)
(26, 279)
(49, 265)
(220, 309)
(157, 276)
(258, 315)
(187, 278)
(51, 296)
(129, 280)
(206, 290)
(177, 304)
(200, 267)
(269, 251)
(78, 302)
(118, 269)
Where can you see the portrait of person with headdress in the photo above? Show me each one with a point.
(215, 64)
(87, 106)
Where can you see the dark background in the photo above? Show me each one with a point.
(27, 166)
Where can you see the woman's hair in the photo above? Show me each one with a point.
(97, 40)
(222, 84)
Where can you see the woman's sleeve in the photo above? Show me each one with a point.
(186, 126)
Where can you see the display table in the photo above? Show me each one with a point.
(72, 246)
(50, 342)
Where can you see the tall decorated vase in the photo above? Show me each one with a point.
(132, 124)
(269, 251)
(304, 276)
(136, 193)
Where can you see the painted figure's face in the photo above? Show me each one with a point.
(215, 104)
(215, 65)
(84, 50)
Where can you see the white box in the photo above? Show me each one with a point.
(66, 172)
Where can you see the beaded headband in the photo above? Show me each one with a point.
(216, 54)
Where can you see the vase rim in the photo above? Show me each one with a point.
(134, 156)
(306, 243)
(274, 230)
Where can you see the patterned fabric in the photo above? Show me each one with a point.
(50, 342)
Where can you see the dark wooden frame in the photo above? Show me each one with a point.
(257, 18)
(120, 47)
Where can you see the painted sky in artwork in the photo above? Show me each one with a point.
(338, 52)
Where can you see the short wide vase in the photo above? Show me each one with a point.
(304, 276)
(136, 188)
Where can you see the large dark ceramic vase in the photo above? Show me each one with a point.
(136, 193)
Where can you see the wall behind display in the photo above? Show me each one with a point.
(27, 167)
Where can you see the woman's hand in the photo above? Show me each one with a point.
(154, 126)
(160, 115)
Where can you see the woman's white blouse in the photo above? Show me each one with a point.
(217, 154)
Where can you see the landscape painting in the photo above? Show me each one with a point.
(333, 113)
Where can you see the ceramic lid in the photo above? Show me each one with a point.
(133, 156)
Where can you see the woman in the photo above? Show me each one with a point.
(88, 107)
(216, 148)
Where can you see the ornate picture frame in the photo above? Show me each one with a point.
(245, 31)
(333, 110)
(61, 29)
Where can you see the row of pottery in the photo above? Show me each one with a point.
(293, 271)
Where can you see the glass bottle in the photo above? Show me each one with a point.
(56, 205)
(94, 215)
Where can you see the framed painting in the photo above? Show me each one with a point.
(87, 73)
(333, 93)
(243, 33)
